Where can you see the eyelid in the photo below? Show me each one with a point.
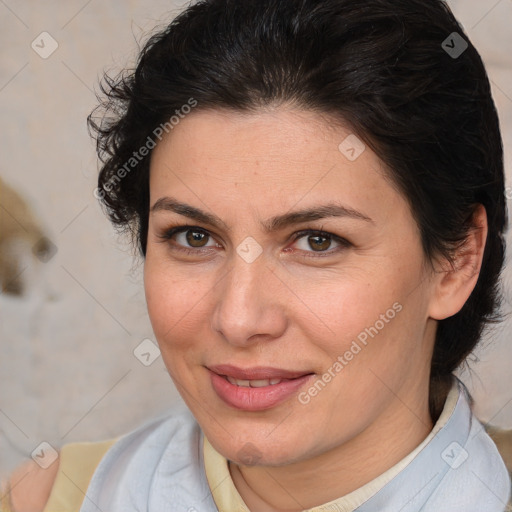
(171, 231)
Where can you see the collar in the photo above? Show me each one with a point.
(450, 430)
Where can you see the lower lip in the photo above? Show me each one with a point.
(256, 399)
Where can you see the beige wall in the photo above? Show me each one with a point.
(67, 369)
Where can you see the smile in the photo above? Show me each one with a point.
(256, 389)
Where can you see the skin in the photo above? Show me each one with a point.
(30, 486)
(291, 312)
(295, 312)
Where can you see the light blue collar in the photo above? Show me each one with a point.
(159, 468)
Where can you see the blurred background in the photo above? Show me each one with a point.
(74, 331)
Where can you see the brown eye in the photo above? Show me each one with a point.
(319, 243)
(196, 238)
(188, 239)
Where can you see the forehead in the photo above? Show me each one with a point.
(271, 160)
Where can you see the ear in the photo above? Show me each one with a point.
(453, 284)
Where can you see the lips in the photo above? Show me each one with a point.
(257, 388)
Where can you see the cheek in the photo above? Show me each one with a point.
(372, 320)
(173, 302)
(342, 308)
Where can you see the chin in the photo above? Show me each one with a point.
(255, 451)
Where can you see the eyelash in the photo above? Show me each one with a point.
(167, 235)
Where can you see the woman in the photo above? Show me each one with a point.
(317, 190)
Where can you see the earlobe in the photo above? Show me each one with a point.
(455, 282)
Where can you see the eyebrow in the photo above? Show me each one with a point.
(273, 224)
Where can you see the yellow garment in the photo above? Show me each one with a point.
(4, 498)
(77, 463)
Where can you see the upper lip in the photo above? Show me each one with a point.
(256, 372)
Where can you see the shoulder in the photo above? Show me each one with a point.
(480, 472)
(175, 430)
(33, 489)
(161, 458)
(473, 475)
(30, 486)
(175, 426)
(483, 466)
(488, 460)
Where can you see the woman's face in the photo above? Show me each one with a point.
(285, 342)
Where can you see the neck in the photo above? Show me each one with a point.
(341, 470)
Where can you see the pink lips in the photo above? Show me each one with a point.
(255, 398)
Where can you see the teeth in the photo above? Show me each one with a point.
(260, 383)
(236, 382)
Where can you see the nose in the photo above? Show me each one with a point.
(248, 306)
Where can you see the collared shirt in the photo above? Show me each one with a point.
(227, 497)
(169, 465)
